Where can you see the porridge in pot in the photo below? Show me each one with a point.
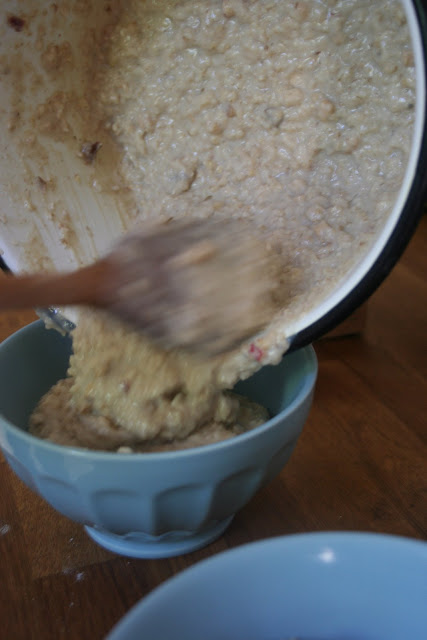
(295, 117)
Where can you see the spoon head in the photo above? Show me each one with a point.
(205, 285)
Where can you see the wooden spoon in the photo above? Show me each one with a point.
(202, 284)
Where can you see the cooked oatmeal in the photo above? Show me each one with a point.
(123, 391)
(294, 116)
(57, 420)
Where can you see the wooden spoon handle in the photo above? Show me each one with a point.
(44, 290)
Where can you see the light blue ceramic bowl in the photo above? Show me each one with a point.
(320, 586)
(156, 504)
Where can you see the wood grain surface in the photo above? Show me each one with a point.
(359, 465)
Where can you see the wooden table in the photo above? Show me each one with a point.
(360, 465)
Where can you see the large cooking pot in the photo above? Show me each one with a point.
(53, 215)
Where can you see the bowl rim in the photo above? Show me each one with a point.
(301, 544)
(310, 361)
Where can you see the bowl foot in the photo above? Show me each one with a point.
(142, 545)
